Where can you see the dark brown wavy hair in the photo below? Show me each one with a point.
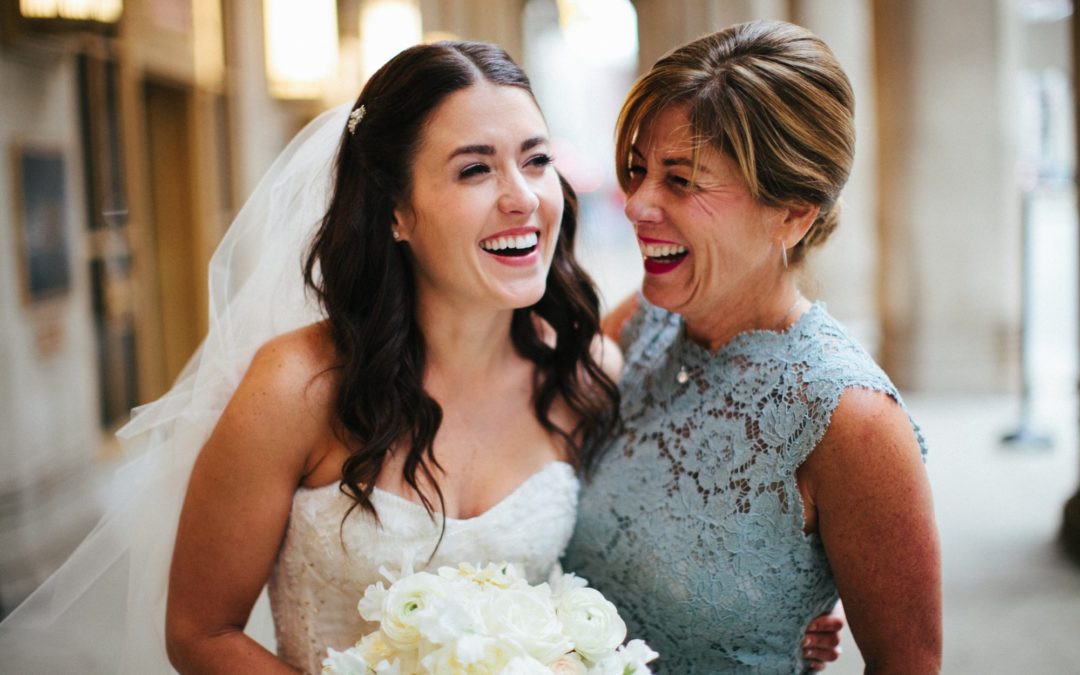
(366, 285)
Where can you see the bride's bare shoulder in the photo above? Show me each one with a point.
(296, 366)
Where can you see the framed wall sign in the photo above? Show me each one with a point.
(44, 251)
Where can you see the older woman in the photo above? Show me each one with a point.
(767, 465)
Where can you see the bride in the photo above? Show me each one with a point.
(453, 375)
(428, 401)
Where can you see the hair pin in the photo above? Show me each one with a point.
(355, 118)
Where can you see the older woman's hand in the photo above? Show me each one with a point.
(821, 645)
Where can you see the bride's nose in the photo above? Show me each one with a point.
(517, 195)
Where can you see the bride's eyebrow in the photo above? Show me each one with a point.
(473, 150)
(532, 143)
(479, 149)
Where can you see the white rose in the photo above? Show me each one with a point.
(404, 607)
(470, 654)
(592, 623)
(526, 617)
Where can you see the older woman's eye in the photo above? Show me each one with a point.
(474, 170)
(680, 182)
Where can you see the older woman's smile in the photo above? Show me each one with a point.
(661, 256)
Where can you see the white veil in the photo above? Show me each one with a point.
(103, 611)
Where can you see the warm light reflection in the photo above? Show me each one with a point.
(301, 46)
(602, 31)
(387, 27)
(104, 11)
(209, 51)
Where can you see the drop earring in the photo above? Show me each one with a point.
(395, 234)
(783, 253)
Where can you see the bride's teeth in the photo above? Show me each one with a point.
(516, 242)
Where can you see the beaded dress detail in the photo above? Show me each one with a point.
(692, 523)
(320, 576)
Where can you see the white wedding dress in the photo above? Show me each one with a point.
(323, 568)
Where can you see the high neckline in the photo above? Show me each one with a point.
(743, 338)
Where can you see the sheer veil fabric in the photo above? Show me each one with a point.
(103, 611)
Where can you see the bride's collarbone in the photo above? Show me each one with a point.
(484, 454)
(477, 470)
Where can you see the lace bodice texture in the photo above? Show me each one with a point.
(320, 576)
(693, 523)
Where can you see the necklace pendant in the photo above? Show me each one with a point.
(683, 377)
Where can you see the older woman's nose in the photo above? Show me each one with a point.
(641, 205)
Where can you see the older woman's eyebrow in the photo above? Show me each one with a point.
(481, 149)
(675, 161)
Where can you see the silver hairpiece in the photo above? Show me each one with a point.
(355, 117)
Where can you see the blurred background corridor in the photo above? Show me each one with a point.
(131, 133)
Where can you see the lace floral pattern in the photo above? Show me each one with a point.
(320, 576)
(693, 522)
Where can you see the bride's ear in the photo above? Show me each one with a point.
(402, 224)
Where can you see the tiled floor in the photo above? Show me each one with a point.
(1012, 598)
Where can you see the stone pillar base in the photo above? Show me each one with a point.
(1070, 531)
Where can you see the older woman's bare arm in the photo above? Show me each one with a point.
(236, 510)
(868, 497)
(612, 323)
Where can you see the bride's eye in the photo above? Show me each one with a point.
(540, 160)
(474, 170)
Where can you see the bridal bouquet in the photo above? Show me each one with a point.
(490, 620)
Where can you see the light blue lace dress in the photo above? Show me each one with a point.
(693, 523)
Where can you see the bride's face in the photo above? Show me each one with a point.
(484, 213)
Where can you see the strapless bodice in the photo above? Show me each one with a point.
(324, 565)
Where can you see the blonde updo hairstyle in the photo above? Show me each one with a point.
(771, 96)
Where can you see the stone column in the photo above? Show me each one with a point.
(843, 272)
(497, 21)
(1071, 526)
(947, 194)
(666, 24)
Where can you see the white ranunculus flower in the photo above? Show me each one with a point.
(370, 606)
(571, 664)
(630, 659)
(404, 604)
(562, 583)
(527, 617)
(374, 648)
(525, 665)
(449, 618)
(347, 662)
(470, 654)
(592, 622)
(497, 575)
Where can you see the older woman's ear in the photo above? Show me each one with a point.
(799, 217)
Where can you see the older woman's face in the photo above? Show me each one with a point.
(706, 244)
